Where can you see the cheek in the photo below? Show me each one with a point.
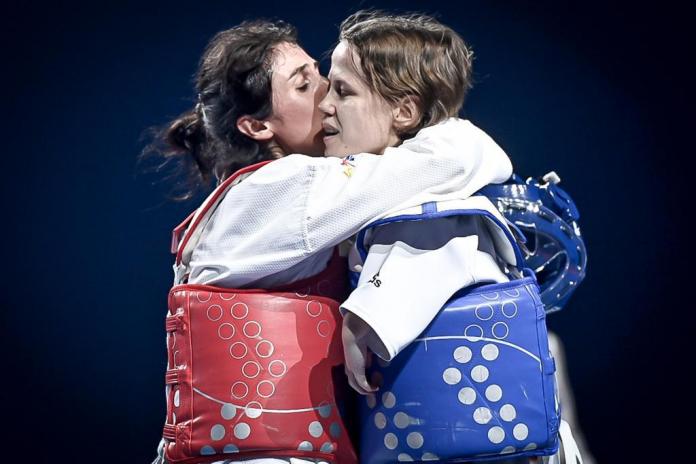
(300, 130)
(302, 110)
(354, 117)
(292, 106)
(376, 124)
(362, 131)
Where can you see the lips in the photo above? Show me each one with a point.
(329, 130)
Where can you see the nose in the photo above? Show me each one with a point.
(326, 104)
(322, 89)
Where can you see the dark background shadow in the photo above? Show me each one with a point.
(596, 92)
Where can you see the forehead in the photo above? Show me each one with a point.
(287, 57)
(344, 61)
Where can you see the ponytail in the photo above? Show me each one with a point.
(233, 79)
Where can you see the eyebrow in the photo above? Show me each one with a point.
(302, 68)
(336, 80)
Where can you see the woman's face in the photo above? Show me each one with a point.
(356, 120)
(297, 90)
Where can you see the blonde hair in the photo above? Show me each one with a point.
(411, 55)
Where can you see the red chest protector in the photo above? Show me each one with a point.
(254, 373)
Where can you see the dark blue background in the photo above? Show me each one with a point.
(593, 91)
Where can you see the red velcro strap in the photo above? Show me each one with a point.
(178, 432)
(173, 376)
(173, 323)
(183, 432)
(169, 432)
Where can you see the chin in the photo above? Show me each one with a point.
(336, 150)
(335, 154)
(317, 147)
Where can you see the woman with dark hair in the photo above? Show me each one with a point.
(223, 133)
(273, 224)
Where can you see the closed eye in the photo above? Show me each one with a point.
(339, 88)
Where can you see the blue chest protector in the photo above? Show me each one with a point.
(478, 384)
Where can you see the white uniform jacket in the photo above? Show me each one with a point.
(279, 223)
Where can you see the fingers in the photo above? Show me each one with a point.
(361, 380)
(356, 359)
(360, 368)
(359, 383)
(356, 380)
(355, 371)
(351, 381)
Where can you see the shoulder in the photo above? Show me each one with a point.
(448, 127)
(444, 138)
(453, 130)
(291, 167)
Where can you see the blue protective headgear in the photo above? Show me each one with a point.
(546, 221)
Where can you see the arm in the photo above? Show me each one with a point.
(401, 290)
(294, 207)
(402, 287)
(454, 156)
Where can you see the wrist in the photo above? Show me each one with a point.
(356, 325)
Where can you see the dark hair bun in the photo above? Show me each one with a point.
(184, 133)
(233, 79)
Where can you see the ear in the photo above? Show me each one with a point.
(254, 129)
(406, 113)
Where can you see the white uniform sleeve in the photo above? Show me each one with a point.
(401, 289)
(410, 272)
(296, 206)
(450, 157)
